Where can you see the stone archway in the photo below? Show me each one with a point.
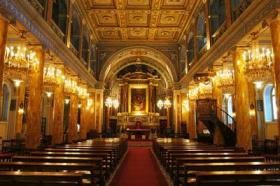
(149, 56)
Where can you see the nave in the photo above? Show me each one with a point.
(139, 92)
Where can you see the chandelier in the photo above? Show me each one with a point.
(205, 90)
(164, 103)
(18, 60)
(225, 81)
(82, 91)
(70, 85)
(52, 75)
(258, 68)
(186, 104)
(193, 92)
(111, 102)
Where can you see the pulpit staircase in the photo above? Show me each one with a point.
(207, 112)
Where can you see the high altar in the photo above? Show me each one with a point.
(138, 94)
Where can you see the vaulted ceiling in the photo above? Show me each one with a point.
(138, 20)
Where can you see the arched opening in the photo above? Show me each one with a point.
(85, 49)
(59, 14)
(270, 107)
(217, 16)
(147, 55)
(75, 33)
(201, 33)
(190, 49)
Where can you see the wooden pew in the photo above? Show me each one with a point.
(240, 178)
(108, 163)
(166, 154)
(112, 156)
(13, 178)
(173, 156)
(191, 168)
(179, 162)
(95, 170)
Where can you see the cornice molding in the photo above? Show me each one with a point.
(33, 22)
(258, 11)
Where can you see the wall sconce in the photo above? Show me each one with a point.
(21, 109)
(49, 94)
(67, 101)
(17, 82)
(258, 84)
(186, 105)
(79, 105)
(89, 103)
(252, 111)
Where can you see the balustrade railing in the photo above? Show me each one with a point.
(240, 9)
(38, 6)
(57, 30)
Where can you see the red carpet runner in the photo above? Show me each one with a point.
(139, 168)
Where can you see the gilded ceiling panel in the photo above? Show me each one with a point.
(138, 18)
(138, 4)
(106, 18)
(143, 20)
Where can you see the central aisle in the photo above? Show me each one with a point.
(139, 168)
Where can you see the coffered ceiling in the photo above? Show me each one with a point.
(138, 20)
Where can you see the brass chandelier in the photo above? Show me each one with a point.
(225, 81)
(258, 68)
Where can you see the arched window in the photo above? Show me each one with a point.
(75, 33)
(201, 32)
(270, 107)
(229, 109)
(227, 115)
(85, 51)
(59, 14)
(217, 11)
(190, 49)
(5, 103)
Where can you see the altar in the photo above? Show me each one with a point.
(138, 134)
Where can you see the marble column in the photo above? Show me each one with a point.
(191, 120)
(91, 124)
(57, 128)
(3, 38)
(83, 124)
(33, 132)
(73, 116)
(244, 99)
(275, 30)
(19, 97)
(99, 109)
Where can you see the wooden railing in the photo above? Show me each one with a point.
(37, 5)
(240, 9)
(57, 30)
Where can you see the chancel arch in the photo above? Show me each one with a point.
(150, 56)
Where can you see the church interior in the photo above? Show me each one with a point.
(139, 92)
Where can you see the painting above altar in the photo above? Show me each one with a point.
(138, 99)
